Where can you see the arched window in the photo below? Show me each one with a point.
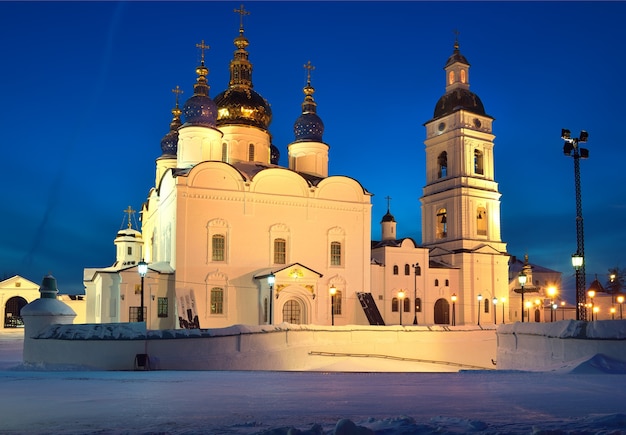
(478, 162)
(463, 76)
(442, 165)
(337, 302)
(218, 247)
(395, 269)
(418, 269)
(280, 251)
(265, 311)
(394, 305)
(487, 305)
(442, 223)
(436, 283)
(418, 305)
(451, 77)
(407, 305)
(224, 152)
(251, 152)
(335, 254)
(217, 300)
(447, 283)
(407, 269)
(481, 221)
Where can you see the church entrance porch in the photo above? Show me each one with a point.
(442, 312)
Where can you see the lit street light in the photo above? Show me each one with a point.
(453, 298)
(401, 298)
(271, 279)
(612, 310)
(503, 300)
(142, 268)
(571, 148)
(480, 298)
(522, 282)
(620, 300)
(417, 268)
(495, 302)
(592, 294)
(551, 293)
(333, 292)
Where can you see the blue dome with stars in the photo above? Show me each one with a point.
(308, 127)
(200, 109)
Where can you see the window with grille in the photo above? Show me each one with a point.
(217, 300)
(251, 153)
(218, 245)
(162, 307)
(337, 302)
(335, 254)
(280, 251)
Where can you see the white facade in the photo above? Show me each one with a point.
(223, 217)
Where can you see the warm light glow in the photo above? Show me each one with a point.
(577, 261)
(479, 297)
(562, 303)
(453, 297)
(592, 293)
(612, 310)
(528, 304)
(596, 309)
(620, 299)
(522, 279)
(503, 299)
(142, 268)
(333, 290)
(271, 279)
(551, 291)
(495, 300)
(401, 294)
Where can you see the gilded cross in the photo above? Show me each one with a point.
(130, 212)
(177, 91)
(309, 68)
(241, 11)
(388, 198)
(202, 46)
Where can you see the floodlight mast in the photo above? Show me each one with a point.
(571, 148)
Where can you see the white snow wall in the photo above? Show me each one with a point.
(278, 347)
(551, 346)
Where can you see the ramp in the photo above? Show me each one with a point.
(370, 309)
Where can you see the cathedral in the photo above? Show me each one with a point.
(231, 237)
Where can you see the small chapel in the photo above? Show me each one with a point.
(228, 236)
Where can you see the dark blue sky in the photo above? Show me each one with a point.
(86, 99)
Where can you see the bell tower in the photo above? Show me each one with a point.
(461, 201)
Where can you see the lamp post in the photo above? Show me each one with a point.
(401, 299)
(562, 310)
(503, 300)
(271, 279)
(551, 293)
(571, 148)
(142, 268)
(612, 310)
(416, 266)
(522, 282)
(333, 292)
(480, 298)
(592, 294)
(495, 302)
(620, 300)
(528, 305)
(453, 298)
(537, 305)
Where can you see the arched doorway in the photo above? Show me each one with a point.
(442, 312)
(292, 312)
(12, 317)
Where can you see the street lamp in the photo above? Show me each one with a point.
(416, 266)
(142, 268)
(333, 292)
(495, 302)
(620, 300)
(592, 294)
(579, 267)
(571, 148)
(480, 298)
(551, 293)
(612, 310)
(562, 310)
(271, 279)
(527, 305)
(522, 282)
(453, 298)
(401, 298)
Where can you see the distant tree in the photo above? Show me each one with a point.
(616, 280)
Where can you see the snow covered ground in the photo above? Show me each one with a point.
(589, 398)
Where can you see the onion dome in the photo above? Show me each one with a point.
(309, 126)
(458, 97)
(240, 104)
(388, 217)
(200, 109)
(169, 143)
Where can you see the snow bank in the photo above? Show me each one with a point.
(564, 346)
